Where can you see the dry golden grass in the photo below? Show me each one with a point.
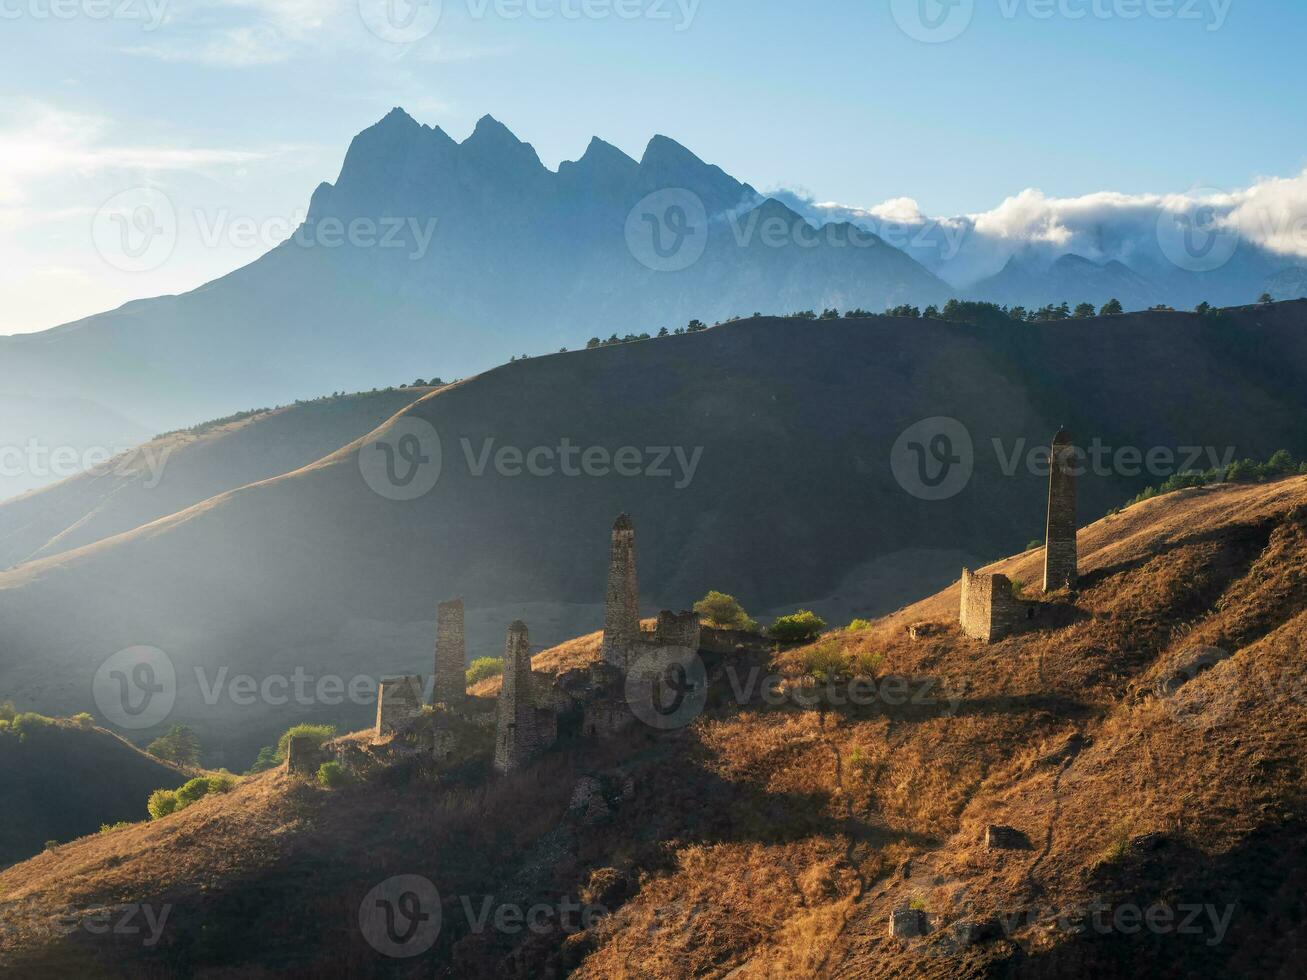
(770, 841)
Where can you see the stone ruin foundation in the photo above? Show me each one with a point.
(989, 610)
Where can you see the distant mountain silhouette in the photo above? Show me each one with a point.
(428, 255)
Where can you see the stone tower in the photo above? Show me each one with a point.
(622, 599)
(1061, 564)
(450, 687)
(516, 739)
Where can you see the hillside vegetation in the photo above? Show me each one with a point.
(315, 570)
(775, 836)
(61, 779)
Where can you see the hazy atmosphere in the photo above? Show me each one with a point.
(653, 489)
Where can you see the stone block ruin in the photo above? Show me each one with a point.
(533, 708)
(450, 685)
(990, 609)
(523, 729)
(399, 703)
(1061, 559)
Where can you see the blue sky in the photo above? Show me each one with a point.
(236, 109)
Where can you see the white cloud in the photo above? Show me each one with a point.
(1104, 226)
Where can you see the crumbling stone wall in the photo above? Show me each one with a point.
(450, 685)
(989, 610)
(521, 731)
(622, 597)
(399, 702)
(1061, 560)
(304, 755)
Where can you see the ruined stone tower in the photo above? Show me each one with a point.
(1061, 566)
(399, 702)
(516, 738)
(450, 686)
(989, 609)
(622, 599)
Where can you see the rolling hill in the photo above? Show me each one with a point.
(64, 780)
(429, 255)
(779, 836)
(317, 572)
(180, 469)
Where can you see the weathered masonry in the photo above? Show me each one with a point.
(522, 730)
(990, 610)
(450, 685)
(399, 702)
(1061, 560)
(622, 597)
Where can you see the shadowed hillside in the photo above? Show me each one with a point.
(317, 570)
(63, 780)
(177, 470)
(776, 836)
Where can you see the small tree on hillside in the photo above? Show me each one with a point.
(1084, 311)
(724, 611)
(1266, 299)
(180, 745)
(1112, 307)
(803, 626)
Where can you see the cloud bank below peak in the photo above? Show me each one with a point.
(1269, 217)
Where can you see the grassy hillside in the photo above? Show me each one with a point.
(771, 839)
(60, 780)
(177, 470)
(314, 570)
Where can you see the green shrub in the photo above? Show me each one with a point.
(800, 627)
(484, 667)
(27, 722)
(267, 759)
(50, 845)
(4, 724)
(858, 625)
(7, 711)
(165, 801)
(191, 791)
(83, 719)
(825, 661)
(724, 612)
(109, 828)
(161, 803)
(319, 734)
(332, 774)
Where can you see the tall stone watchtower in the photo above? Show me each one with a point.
(622, 598)
(516, 738)
(1061, 560)
(450, 686)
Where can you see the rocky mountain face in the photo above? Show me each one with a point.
(432, 256)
